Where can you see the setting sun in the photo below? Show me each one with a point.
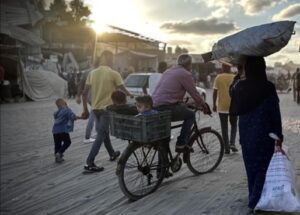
(113, 12)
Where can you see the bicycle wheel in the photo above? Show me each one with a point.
(208, 151)
(141, 169)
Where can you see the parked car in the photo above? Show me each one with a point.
(138, 84)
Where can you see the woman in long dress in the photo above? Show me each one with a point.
(257, 104)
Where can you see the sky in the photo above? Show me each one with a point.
(198, 24)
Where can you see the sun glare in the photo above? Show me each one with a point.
(112, 12)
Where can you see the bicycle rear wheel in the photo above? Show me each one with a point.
(141, 169)
(208, 151)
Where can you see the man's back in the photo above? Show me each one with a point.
(170, 88)
(103, 81)
(222, 84)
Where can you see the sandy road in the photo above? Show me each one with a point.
(31, 183)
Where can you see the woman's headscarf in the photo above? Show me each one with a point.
(250, 93)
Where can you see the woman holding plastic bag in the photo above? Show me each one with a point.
(257, 104)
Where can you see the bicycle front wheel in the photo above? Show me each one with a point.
(208, 151)
(141, 169)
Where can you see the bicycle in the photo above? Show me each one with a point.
(143, 166)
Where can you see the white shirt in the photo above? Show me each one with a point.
(153, 81)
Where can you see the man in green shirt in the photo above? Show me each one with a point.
(101, 82)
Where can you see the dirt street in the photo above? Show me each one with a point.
(32, 183)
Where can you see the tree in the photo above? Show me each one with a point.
(76, 13)
(41, 4)
(60, 8)
(178, 50)
(79, 12)
(185, 50)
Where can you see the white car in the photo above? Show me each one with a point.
(138, 84)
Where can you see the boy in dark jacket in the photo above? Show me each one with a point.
(120, 105)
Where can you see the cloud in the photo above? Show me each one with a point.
(290, 11)
(220, 7)
(199, 26)
(253, 7)
(220, 12)
(218, 3)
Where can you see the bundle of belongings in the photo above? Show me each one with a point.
(262, 40)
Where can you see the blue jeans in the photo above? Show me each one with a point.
(90, 125)
(180, 112)
(102, 128)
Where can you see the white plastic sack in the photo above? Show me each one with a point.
(279, 191)
(261, 40)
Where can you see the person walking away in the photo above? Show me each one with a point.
(221, 94)
(91, 119)
(155, 77)
(63, 124)
(169, 93)
(257, 105)
(71, 85)
(101, 82)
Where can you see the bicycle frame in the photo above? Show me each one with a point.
(194, 130)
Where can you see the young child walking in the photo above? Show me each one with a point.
(63, 124)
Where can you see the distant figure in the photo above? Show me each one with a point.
(296, 85)
(125, 73)
(2, 74)
(144, 106)
(101, 82)
(281, 82)
(257, 106)
(72, 85)
(155, 77)
(208, 81)
(221, 103)
(63, 124)
(120, 105)
(239, 76)
(91, 120)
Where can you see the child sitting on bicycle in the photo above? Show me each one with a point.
(120, 105)
(144, 105)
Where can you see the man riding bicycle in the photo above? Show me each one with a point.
(169, 93)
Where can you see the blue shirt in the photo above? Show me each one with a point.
(63, 120)
(149, 112)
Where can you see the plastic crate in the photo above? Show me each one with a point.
(141, 128)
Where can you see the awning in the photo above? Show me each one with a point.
(25, 36)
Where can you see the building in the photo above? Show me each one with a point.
(133, 52)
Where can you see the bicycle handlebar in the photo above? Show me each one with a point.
(194, 107)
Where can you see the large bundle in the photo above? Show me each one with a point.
(40, 84)
(261, 40)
